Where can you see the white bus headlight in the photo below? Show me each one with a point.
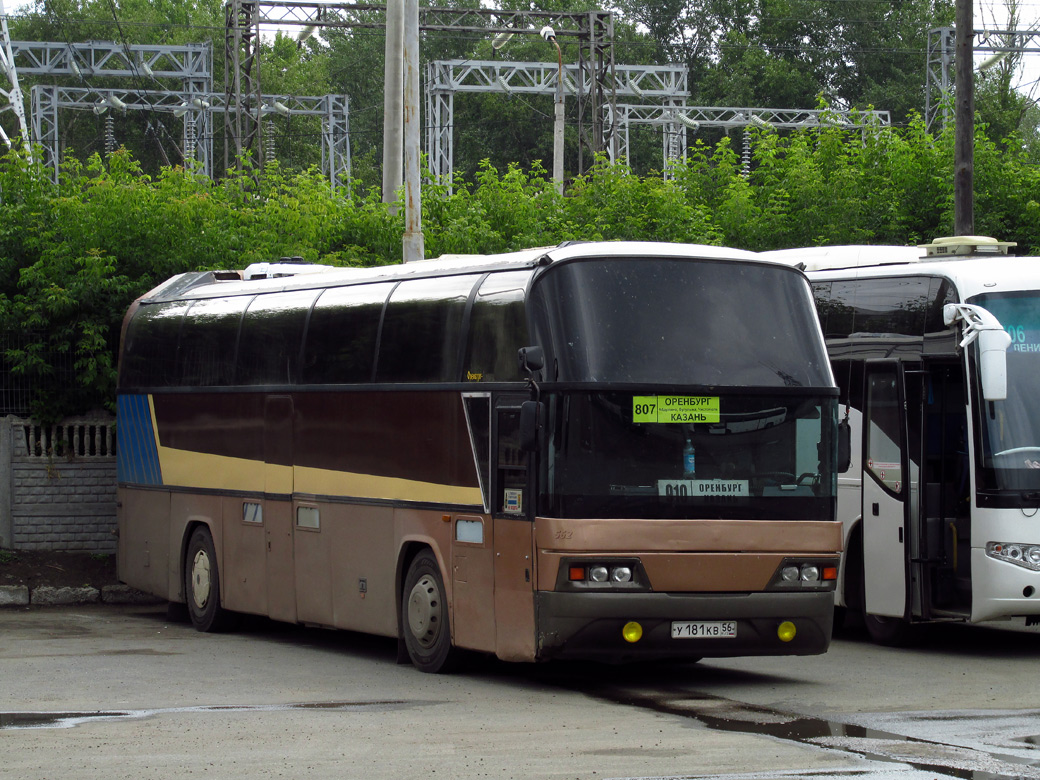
(1024, 555)
(602, 574)
(801, 574)
(621, 574)
(810, 574)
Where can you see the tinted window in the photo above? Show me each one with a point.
(341, 337)
(908, 306)
(150, 350)
(206, 353)
(497, 329)
(678, 321)
(272, 334)
(422, 330)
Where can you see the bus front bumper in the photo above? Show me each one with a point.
(589, 626)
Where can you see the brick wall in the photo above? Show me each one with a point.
(58, 485)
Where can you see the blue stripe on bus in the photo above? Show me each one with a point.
(138, 461)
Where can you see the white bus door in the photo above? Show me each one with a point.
(886, 491)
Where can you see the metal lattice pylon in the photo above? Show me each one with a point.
(939, 86)
(594, 31)
(13, 94)
(196, 110)
(666, 84)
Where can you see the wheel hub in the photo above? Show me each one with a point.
(424, 611)
(200, 579)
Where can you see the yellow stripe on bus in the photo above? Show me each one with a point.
(184, 468)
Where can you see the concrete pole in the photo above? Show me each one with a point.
(964, 128)
(393, 96)
(412, 245)
(550, 35)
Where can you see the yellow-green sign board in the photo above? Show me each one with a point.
(675, 409)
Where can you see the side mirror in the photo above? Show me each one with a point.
(531, 359)
(993, 346)
(844, 446)
(993, 343)
(532, 422)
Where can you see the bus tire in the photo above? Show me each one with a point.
(202, 583)
(424, 616)
(889, 631)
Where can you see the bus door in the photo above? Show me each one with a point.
(886, 491)
(945, 493)
(512, 508)
(278, 508)
(473, 542)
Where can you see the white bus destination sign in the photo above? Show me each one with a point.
(702, 488)
(675, 409)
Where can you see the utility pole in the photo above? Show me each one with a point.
(412, 247)
(549, 34)
(393, 96)
(964, 111)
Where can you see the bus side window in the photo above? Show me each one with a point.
(206, 352)
(421, 330)
(498, 328)
(272, 329)
(340, 344)
(150, 351)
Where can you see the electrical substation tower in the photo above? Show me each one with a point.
(192, 64)
(665, 84)
(13, 94)
(939, 86)
(594, 31)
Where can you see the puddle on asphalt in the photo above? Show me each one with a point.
(924, 755)
(65, 720)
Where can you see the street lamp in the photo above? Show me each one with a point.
(549, 34)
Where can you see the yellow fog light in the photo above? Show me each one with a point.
(632, 632)
(786, 631)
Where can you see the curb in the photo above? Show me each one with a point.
(47, 595)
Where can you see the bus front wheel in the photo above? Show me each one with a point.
(889, 631)
(202, 583)
(424, 616)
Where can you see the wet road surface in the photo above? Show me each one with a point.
(104, 692)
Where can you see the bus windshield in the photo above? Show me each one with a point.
(1011, 428)
(677, 320)
(719, 455)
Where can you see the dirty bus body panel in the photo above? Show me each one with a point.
(344, 448)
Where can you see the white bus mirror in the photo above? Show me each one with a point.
(993, 346)
(993, 343)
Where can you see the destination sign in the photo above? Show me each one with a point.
(675, 409)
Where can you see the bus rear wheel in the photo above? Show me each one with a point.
(424, 616)
(202, 584)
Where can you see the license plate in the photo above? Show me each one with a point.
(719, 629)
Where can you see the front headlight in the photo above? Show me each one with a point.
(805, 575)
(1025, 555)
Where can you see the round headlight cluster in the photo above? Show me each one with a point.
(1025, 555)
(807, 572)
(619, 573)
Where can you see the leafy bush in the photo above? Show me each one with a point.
(73, 256)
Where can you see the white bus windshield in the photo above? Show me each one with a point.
(1011, 428)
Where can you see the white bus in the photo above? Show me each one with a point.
(936, 351)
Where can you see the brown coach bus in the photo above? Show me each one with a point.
(608, 451)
